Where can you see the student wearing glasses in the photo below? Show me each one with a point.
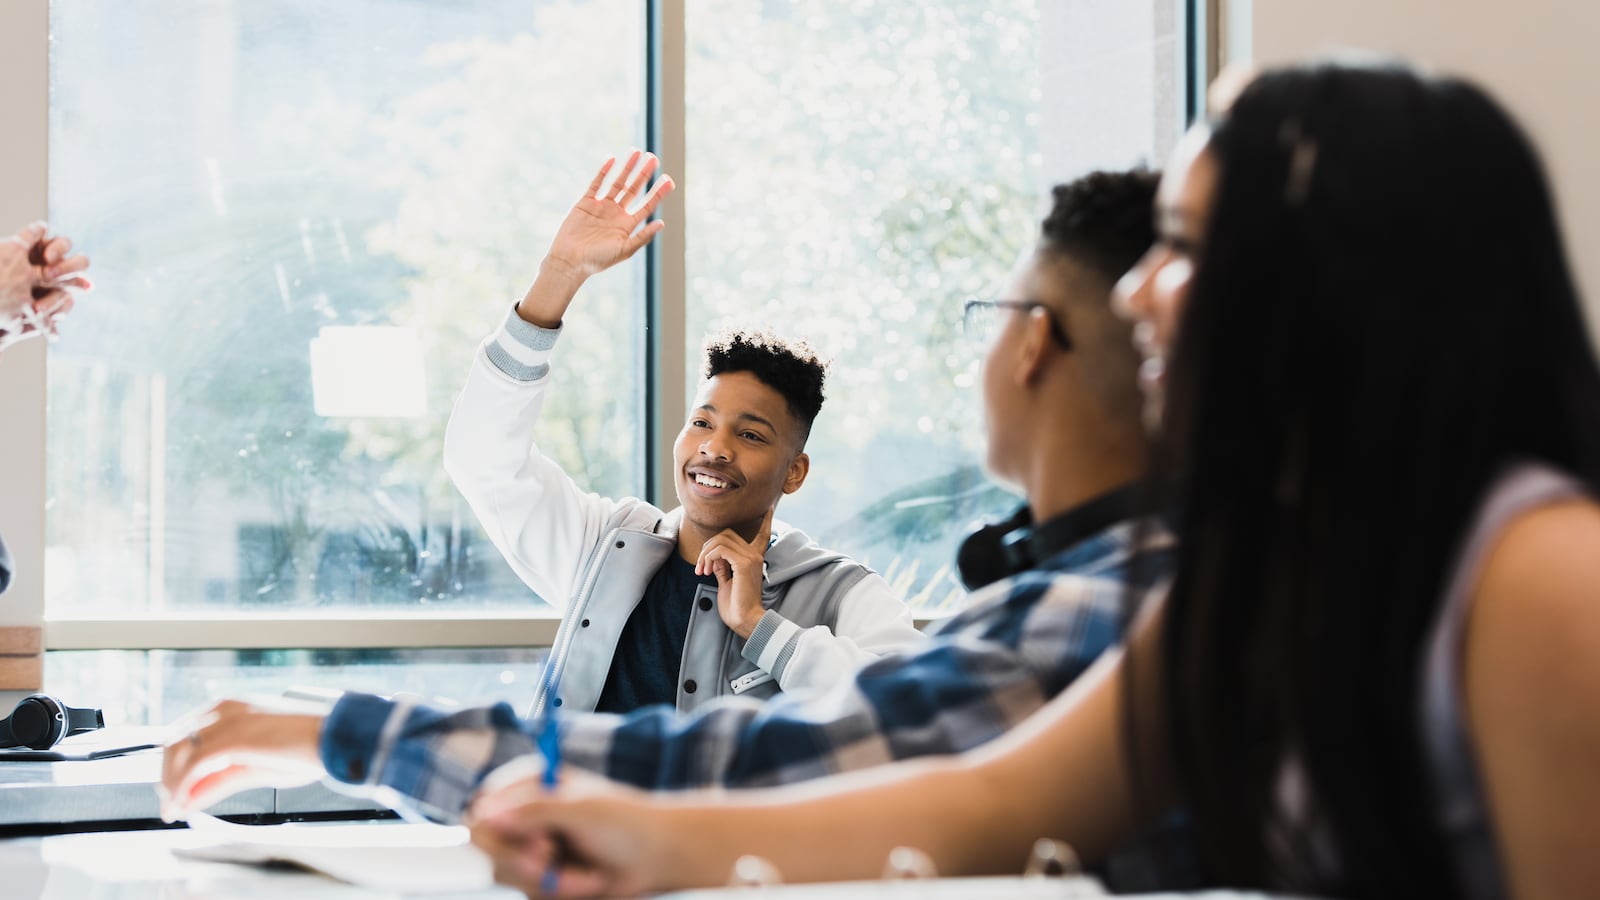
(1377, 671)
(1062, 412)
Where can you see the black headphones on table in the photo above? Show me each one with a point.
(997, 550)
(40, 720)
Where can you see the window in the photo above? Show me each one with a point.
(857, 170)
(304, 216)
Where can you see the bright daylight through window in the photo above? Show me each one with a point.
(304, 216)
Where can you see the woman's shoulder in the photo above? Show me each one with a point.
(1537, 584)
(1544, 560)
(1532, 679)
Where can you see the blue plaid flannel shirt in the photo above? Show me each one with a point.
(1018, 643)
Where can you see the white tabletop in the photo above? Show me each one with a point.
(123, 788)
(145, 865)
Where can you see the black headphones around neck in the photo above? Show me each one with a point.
(40, 720)
(996, 550)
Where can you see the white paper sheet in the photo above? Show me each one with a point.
(396, 857)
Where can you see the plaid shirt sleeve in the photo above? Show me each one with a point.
(986, 670)
(1019, 644)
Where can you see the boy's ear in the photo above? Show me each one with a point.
(799, 467)
(1031, 354)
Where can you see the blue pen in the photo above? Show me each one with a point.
(549, 743)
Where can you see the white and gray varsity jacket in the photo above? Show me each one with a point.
(593, 556)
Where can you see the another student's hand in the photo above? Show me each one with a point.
(235, 746)
(604, 226)
(36, 275)
(587, 838)
(738, 565)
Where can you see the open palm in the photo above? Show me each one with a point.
(604, 226)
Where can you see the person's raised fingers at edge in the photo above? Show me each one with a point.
(55, 249)
(31, 234)
(55, 303)
(66, 267)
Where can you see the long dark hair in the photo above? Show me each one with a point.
(1381, 320)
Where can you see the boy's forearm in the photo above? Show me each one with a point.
(547, 300)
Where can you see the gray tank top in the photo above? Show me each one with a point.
(1460, 807)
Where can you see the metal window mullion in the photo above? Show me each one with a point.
(666, 281)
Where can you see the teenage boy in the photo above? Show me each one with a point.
(710, 600)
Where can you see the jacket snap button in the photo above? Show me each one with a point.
(689, 686)
(558, 701)
(705, 602)
(585, 623)
(620, 544)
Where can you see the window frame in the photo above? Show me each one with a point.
(24, 179)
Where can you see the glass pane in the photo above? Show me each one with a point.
(303, 218)
(154, 687)
(856, 171)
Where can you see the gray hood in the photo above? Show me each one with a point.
(791, 554)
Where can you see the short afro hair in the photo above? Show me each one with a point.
(1103, 220)
(792, 368)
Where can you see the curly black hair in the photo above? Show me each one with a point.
(792, 368)
(1103, 220)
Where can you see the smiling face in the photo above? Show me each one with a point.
(1153, 292)
(739, 451)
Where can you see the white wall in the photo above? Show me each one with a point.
(1541, 58)
(25, 98)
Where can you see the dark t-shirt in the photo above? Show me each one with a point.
(649, 653)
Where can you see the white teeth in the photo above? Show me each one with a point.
(708, 481)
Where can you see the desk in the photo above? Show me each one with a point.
(124, 789)
(141, 865)
(146, 865)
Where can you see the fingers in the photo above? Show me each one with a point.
(631, 178)
(713, 549)
(644, 236)
(663, 186)
(212, 788)
(233, 746)
(31, 234)
(52, 304)
(624, 187)
(68, 265)
(600, 178)
(54, 251)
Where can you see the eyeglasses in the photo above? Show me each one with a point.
(980, 320)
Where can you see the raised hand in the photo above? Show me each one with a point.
(608, 224)
(37, 274)
(738, 565)
(604, 226)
